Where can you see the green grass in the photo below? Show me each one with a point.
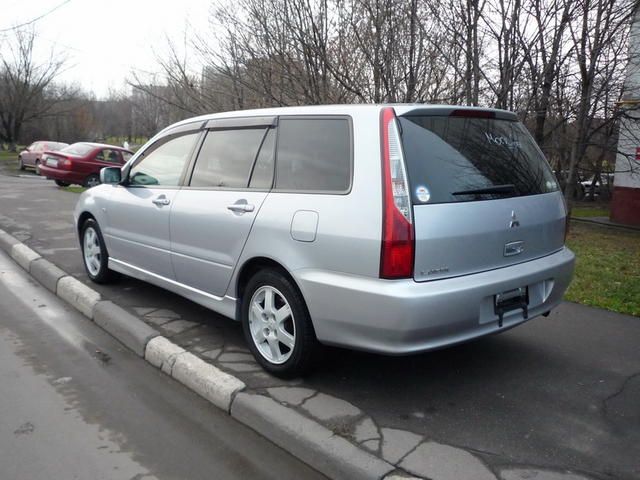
(73, 189)
(586, 212)
(607, 268)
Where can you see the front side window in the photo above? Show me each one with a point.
(314, 154)
(162, 164)
(226, 158)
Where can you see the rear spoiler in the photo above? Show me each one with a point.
(455, 111)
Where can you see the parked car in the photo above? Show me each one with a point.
(391, 229)
(605, 182)
(80, 163)
(31, 157)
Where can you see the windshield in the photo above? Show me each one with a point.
(77, 149)
(457, 159)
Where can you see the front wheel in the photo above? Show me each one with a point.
(37, 167)
(277, 325)
(94, 253)
(20, 163)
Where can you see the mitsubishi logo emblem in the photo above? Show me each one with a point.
(514, 220)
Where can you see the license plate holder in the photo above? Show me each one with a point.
(515, 299)
(52, 162)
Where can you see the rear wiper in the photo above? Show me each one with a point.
(507, 188)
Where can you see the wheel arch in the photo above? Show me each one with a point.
(252, 266)
(83, 217)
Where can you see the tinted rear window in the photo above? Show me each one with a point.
(314, 155)
(448, 156)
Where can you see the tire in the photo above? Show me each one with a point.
(37, 167)
(91, 181)
(95, 263)
(20, 164)
(262, 329)
(60, 183)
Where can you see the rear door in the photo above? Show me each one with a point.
(137, 230)
(484, 196)
(213, 215)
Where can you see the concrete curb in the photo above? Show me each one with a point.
(23, 255)
(307, 439)
(78, 295)
(46, 273)
(130, 330)
(304, 438)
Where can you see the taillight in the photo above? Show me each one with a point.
(66, 164)
(397, 252)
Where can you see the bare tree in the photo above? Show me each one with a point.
(27, 88)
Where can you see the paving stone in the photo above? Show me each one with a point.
(236, 357)
(366, 430)
(157, 321)
(397, 443)
(212, 354)
(291, 395)
(178, 326)
(372, 445)
(237, 348)
(443, 462)
(144, 310)
(326, 407)
(306, 439)
(533, 474)
(163, 312)
(400, 476)
(242, 367)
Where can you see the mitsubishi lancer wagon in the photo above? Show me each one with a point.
(394, 229)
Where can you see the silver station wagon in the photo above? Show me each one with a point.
(387, 228)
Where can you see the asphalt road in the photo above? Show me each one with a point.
(74, 403)
(559, 393)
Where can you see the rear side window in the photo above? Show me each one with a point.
(453, 159)
(314, 154)
(226, 158)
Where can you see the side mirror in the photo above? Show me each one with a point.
(111, 175)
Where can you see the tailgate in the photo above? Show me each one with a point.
(455, 239)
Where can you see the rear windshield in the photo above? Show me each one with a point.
(458, 159)
(77, 149)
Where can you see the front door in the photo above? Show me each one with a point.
(137, 230)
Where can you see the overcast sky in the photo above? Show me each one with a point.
(105, 40)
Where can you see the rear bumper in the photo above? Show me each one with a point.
(62, 175)
(404, 316)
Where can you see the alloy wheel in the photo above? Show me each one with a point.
(92, 251)
(271, 324)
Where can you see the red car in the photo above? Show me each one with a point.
(80, 163)
(32, 155)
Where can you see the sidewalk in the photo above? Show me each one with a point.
(507, 406)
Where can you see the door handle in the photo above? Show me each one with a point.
(161, 200)
(241, 207)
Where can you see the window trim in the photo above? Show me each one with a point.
(170, 135)
(242, 123)
(349, 120)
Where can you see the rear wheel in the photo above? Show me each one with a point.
(91, 181)
(37, 167)
(60, 183)
(20, 163)
(277, 325)
(94, 253)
